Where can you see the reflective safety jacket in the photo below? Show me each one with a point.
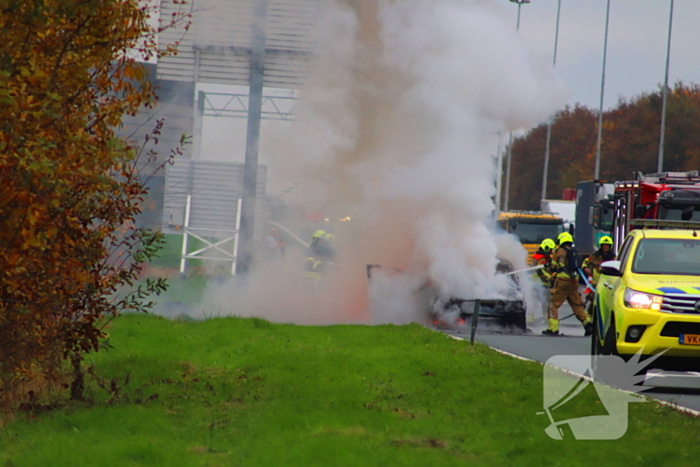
(313, 268)
(593, 263)
(558, 264)
(318, 256)
(542, 275)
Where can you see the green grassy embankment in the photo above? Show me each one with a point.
(236, 391)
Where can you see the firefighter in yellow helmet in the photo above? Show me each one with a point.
(542, 258)
(318, 254)
(564, 268)
(591, 265)
(543, 277)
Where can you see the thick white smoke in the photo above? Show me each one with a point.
(396, 126)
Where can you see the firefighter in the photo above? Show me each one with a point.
(591, 265)
(543, 257)
(317, 255)
(564, 268)
(543, 276)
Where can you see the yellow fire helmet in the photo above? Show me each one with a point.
(565, 237)
(319, 234)
(605, 240)
(547, 245)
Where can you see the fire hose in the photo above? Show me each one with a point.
(534, 268)
(290, 233)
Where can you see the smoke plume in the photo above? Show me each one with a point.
(397, 129)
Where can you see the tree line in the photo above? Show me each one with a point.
(630, 143)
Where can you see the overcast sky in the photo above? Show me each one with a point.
(637, 40)
(636, 57)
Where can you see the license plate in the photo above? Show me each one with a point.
(689, 339)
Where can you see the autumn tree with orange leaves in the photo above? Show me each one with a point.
(630, 143)
(70, 189)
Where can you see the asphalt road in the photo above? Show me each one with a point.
(682, 389)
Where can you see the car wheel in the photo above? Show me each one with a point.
(609, 347)
(610, 342)
(596, 348)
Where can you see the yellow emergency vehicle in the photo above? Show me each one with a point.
(649, 299)
(531, 227)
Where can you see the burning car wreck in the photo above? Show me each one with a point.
(504, 312)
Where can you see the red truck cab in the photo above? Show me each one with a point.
(668, 196)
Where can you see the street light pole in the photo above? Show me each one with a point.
(665, 99)
(549, 123)
(509, 153)
(499, 168)
(520, 3)
(596, 175)
(510, 135)
(244, 256)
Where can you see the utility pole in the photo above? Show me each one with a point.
(665, 99)
(596, 175)
(250, 171)
(499, 178)
(549, 123)
(510, 135)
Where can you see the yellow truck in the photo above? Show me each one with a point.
(531, 227)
